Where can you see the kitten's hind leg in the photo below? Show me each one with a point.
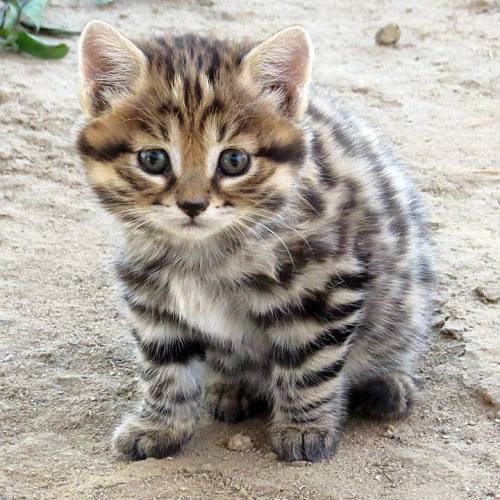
(235, 386)
(385, 397)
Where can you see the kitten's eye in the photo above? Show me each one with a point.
(233, 162)
(154, 161)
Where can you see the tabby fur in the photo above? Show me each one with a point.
(306, 285)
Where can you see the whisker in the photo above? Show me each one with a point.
(282, 223)
(273, 233)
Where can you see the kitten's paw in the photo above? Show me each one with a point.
(230, 403)
(387, 397)
(292, 443)
(138, 438)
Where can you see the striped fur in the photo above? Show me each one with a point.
(306, 283)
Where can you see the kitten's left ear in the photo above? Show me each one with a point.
(281, 66)
(110, 66)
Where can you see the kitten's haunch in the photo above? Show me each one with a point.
(275, 253)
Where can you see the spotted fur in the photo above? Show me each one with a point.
(307, 282)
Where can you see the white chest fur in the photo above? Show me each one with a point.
(203, 308)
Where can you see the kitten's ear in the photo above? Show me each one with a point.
(110, 66)
(281, 66)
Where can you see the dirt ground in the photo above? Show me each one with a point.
(66, 360)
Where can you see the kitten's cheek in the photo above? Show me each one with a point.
(216, 215)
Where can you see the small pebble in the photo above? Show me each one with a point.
(299, 463)
(389, 432)
(388, 35)
(438, 323)
(240, 442)
(453, 329)
(470, 84)
(487, 295)
(360, 90)
(4, 97)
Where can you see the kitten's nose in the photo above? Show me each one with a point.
(193, 207)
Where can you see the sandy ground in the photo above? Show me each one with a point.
(66, 361)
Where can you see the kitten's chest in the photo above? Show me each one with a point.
(202, 306)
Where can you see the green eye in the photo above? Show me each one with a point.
(154, 161)
(233, 162)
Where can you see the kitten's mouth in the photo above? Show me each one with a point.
(194, 229)
(192, 223)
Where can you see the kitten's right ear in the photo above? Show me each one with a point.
(110, 66)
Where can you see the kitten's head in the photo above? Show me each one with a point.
(191, 136)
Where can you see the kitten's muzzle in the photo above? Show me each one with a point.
(193, 207)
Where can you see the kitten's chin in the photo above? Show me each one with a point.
(185, 232)
(194, 231)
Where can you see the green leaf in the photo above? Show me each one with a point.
(45, 30)
(34, 11)
(10, 17)
(100, 3)
(7, 37)
(40, 48)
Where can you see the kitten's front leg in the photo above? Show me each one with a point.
(167, 416)
(309, 402)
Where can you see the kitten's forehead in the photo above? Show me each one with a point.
(193, 89)
(215, 58)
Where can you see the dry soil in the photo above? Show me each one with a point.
(66, 362)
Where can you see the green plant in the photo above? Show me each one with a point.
(20, 19)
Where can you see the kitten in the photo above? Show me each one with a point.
(273, 248)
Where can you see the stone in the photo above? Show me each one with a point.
(240, 442)
(487, 295)
(388, 35)
(453, 329)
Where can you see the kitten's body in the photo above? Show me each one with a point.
(319, 294)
